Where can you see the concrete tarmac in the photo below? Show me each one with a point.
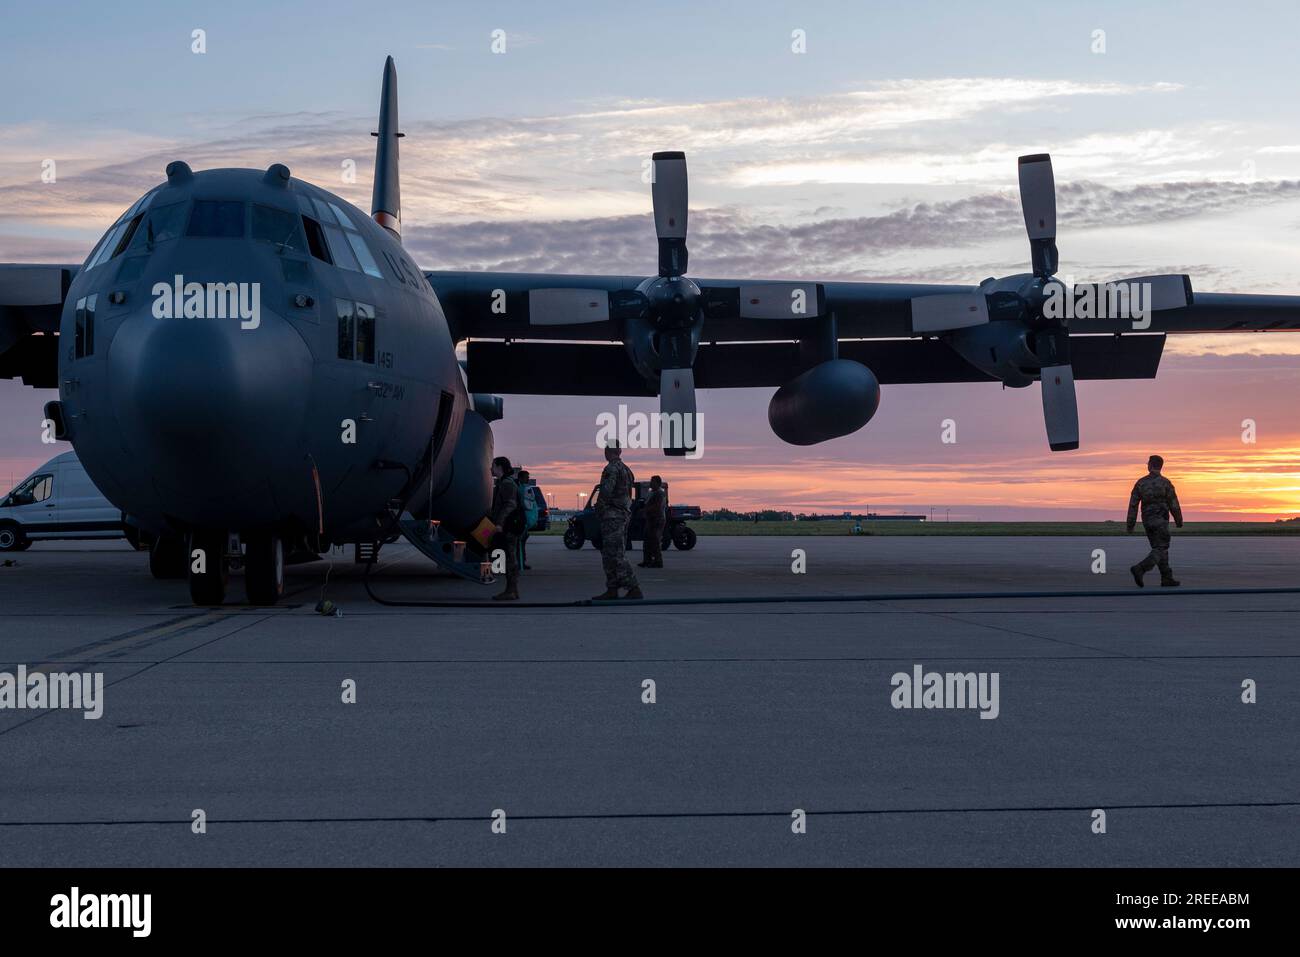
(1131, 705)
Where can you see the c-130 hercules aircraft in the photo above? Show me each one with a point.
(249, 366)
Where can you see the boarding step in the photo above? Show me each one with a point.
(363, 553)
(455, 556)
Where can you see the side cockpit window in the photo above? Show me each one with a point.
(121, 232)
(311, 226)
(333, 237)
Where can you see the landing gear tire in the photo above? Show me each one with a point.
(684, 538)
(208, 587)
(167, 557)
(264, 569)
(573, 538)
(12, 538)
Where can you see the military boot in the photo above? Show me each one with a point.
(1137, 575)
(510, 594)
(1169, 582)
(609, 594)
(634, 592)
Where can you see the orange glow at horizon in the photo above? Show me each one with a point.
(1226, 483)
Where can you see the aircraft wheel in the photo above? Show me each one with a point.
(684, 537)
(573, 538)
(264, 569)
(12, 538)
(167, 557)
(208, 587)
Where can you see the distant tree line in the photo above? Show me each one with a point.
(763, 515)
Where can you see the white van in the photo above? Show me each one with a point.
(58, 500)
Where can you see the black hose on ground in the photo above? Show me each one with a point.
(818, 599)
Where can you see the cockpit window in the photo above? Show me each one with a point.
(323, 212)
(162, 224)
(218, 219)
(357, 242)
(120, 233)
(316, 240)
(277, 226)
(106, 246)
(340, 252)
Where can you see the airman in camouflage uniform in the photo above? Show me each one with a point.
(1159, 501)
(614, 503)
(655, 517)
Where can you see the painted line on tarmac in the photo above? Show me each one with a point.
(658, 815)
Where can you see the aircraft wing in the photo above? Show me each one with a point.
(626, 336)
(31, 302)
(873, 324)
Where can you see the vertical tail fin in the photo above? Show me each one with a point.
(386, 204)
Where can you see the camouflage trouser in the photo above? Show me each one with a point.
(510, 545)
(651, 549)
(613, 541)
(1158, 536)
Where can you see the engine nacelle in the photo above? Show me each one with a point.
(462, 498)
(491, 407)
(1002, 349)
(835, 398)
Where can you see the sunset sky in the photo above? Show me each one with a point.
(886, 152)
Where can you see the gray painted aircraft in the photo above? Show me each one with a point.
(251, 368)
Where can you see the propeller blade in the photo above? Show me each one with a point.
(677, 398)
(566, 307)
(669, 195)
(1038, 203)
(1060, 408)
(949, 311)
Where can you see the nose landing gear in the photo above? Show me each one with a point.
(167, 557)
(263, 569)
(209, 571)
(205, 558)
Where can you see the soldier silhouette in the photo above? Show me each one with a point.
(615, 506)
(1159, 501)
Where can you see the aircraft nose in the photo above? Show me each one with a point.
(210, 408)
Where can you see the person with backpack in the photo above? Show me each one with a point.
(508, 517)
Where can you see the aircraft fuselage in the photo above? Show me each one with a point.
(241, 339)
